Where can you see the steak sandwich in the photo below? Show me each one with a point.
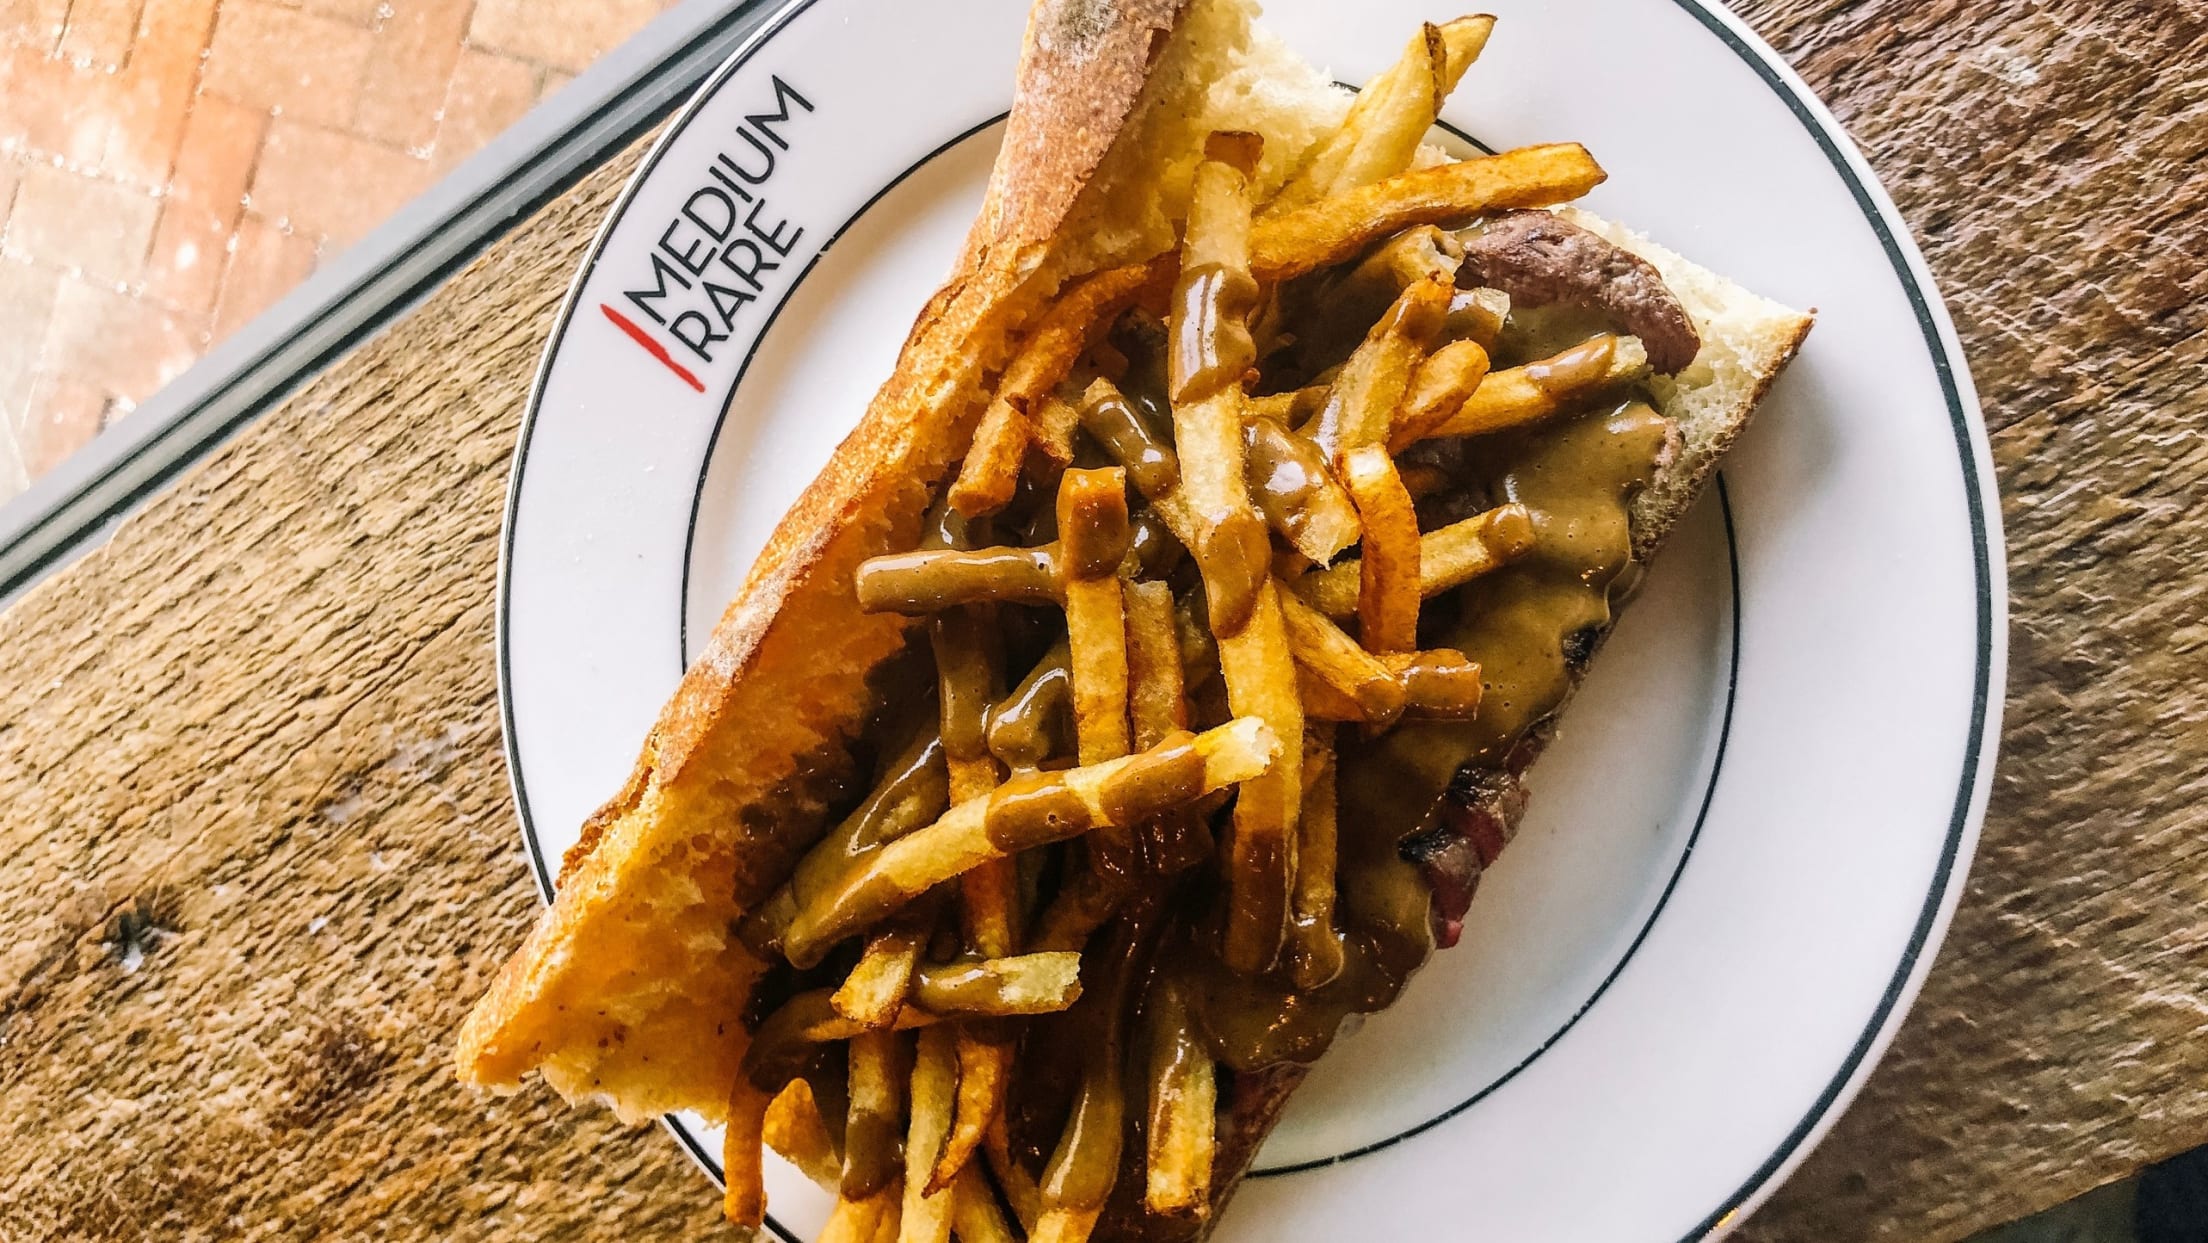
(1143, 687)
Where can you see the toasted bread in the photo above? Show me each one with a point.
(630, 988)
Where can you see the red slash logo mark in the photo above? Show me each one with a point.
(654, 348)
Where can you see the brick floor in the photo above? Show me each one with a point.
(171, 168)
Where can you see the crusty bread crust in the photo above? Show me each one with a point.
(647, 895)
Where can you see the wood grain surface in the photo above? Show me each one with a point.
(258, 852)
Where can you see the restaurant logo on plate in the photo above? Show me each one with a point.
(718, 252)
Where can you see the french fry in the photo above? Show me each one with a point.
(1324, 652)
(1337, 228)
(1211, 351)
(1151, 463)
(743, 1153)
(1056, 420)
(1022, 984)
(1439, 684)
(1095, 538)
(1350, 304)
(1436, 685)
(1260, 673)
(1228, 541)
(1524, 395)
(1315, 951)
(927, 1214)
(880, 1062)
(991, 471)
(1477, 315)
(1037, 983)
(793, 1127)
(1388, 590)
(1183, 1112)
(875, 990)
(1297, 492)
(1021, 1191)
(1392, 114)
(1092, 522)
(1422, 479)
(1362, 405)
(984, 1076)
(1321, 702)
(1065, 1225)
(975, 1215)
(871, 1220)
(1158, 698)
(1084, 1164)
(929, 580)
(1035, 810)
(1021, 727)
(1289, 409)
(1443, 382)
(1448, 557)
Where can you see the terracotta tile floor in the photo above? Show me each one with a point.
(169, 168)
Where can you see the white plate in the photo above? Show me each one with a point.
(1744, 848)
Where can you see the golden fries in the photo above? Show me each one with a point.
(1315, 950)
(1260, 674)
(1021, 1191)
(1391, 116)
(1442, 383)
(975, 1217)
(927, 1214)
(1151, 463)
(875, 990)
(1297, 492)
(1020, 728)
(1362, 405)
(1021, 984)
(1027, 812)
(871, 1220)
(1440, 684)
(984, 1075)
(1448, 557)
(1477, 315)
(1519, 396)
(1331, 657)
(1092, 522)
(743, 1152)
(1204, 549)
(931, 580)
(1183, 1108)
(1388, 590)
(1158, 697)
(793, 1127)
(1056, 421)
(1337, 228)
(1211, 350)
(992, 467)
(1065, 1225)
(880, 1061)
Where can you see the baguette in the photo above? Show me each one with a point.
(629, 989)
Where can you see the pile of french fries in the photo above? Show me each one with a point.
(1239, 576)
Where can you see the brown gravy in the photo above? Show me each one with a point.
(1577, 477)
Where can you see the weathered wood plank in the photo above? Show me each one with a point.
(2053, 161)
(258, 851)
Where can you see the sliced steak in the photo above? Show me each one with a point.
(1541, 259)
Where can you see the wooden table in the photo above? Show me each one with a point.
(259, 854)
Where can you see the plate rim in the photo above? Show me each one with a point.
(1980, 491)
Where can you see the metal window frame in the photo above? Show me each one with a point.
(75, 507)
